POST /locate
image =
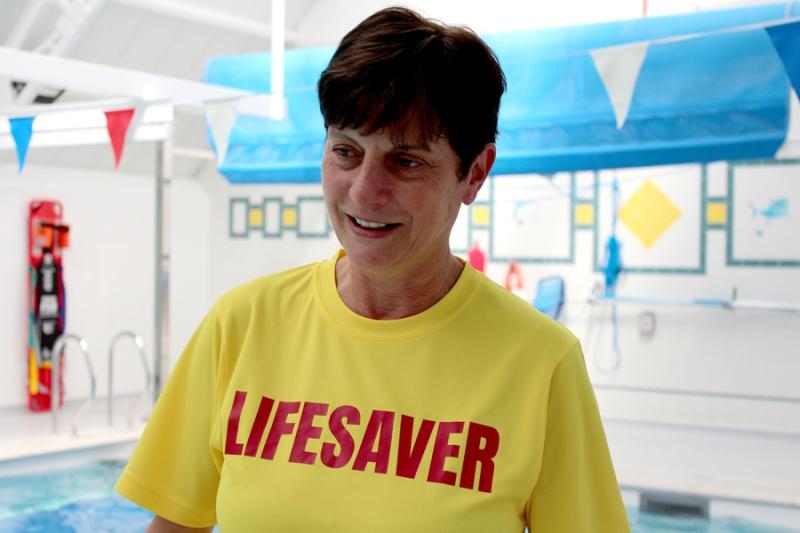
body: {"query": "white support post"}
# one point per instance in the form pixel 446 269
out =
pixel 277 47
pixel 162 264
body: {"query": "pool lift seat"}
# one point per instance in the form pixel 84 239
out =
pixel 549 297
pixel 55 394
pixel 139 342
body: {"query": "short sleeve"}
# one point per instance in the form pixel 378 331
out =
pixel 577 490
pixel 174 471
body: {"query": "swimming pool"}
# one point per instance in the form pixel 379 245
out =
pixel 82 500
pixel 70 500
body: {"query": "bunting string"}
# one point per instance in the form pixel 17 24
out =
pixel 618 67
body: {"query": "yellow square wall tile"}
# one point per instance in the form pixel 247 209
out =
pixel 289 217
pixel 480 215
pixel 717 213
pixel 584 214
pixel 255 217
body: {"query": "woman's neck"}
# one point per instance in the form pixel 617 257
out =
pixel 383 296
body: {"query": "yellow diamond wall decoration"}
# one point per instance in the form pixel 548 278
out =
pixel 649 213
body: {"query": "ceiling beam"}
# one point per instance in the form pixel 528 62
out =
pixel 208 17
pixel 277 47
pixel 111 82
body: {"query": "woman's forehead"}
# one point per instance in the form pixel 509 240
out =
pixel 389 138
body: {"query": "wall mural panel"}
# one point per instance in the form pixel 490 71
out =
pixel 273 217
pixel 659 218
pixel 532 218
pixel 663 216
pixel 764 224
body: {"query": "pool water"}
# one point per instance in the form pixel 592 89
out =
pixel 653 523
pixel 76 500
pixel 83 500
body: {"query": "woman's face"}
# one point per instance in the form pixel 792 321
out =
pixel 393 206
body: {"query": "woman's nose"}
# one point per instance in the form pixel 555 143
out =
pixel 371 183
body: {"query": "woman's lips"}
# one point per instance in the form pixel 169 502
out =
pixel 369 228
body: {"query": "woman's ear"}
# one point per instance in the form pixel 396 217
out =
pixel 478 172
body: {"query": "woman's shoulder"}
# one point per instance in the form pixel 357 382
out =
pixel 516 317
pixel 267 289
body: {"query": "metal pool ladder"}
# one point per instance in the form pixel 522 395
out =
pixel 139 342
pixel 55 379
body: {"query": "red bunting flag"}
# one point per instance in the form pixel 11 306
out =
pixel 117 123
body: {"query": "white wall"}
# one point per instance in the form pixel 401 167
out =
pixel 727 446
pixel 237 260
pixel 108 269
pixel 737 447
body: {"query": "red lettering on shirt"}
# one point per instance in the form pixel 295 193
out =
pixel 481 444
pixel 307 430
pixel 328 454
pixel 280 427
pixel 232 447
pixel 475 452
pixel 257 431
pixel 408 457
pixel 442 449
pixel 379 428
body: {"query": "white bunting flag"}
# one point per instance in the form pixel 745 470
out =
pixel 619 69
pixel 220 116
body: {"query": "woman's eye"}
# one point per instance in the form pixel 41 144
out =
pixel 407 163
pixel 342 151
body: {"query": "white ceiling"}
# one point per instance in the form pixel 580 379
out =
pixel 177 38
pixel 141 35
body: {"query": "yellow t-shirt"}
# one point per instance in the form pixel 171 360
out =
pixel 288 412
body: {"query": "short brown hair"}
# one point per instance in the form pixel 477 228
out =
pixel 401 71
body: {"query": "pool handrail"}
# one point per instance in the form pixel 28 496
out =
pixel 55 381
pixel 139 342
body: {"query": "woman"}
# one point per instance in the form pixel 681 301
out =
pixel 392 387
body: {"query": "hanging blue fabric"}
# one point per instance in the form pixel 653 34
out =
pixel 21 131
pixel 721 96
pixel 786 40
pixel 612 270
pixel 613 266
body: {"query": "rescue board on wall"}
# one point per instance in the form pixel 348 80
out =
pixel 48 237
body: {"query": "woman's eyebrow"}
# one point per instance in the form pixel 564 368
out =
pixel 344 136
pixel 420 146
